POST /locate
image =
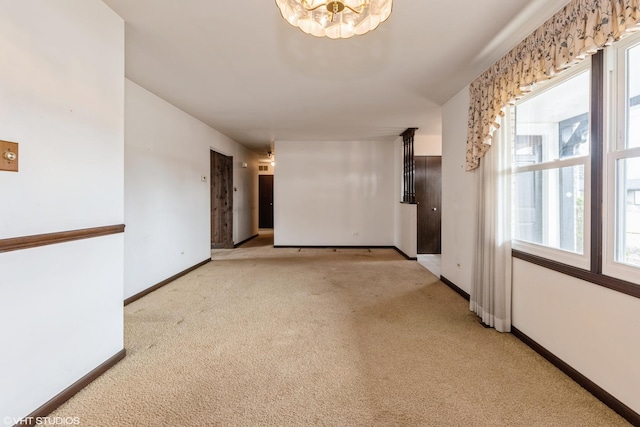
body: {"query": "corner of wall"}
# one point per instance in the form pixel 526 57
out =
pixel 458 195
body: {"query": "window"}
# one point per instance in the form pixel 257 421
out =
pixel 551 166
pixel 623 163
pixel 576 171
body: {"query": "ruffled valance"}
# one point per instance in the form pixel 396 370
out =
pixel 580 29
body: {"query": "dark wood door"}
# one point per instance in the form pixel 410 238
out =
pixel 265 201
pixel 221 201
pixel 428 178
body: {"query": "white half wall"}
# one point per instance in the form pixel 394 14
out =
pixel 167 204
pixel 406 231
pixel 62 100
pixel 458 195
pixel 329 193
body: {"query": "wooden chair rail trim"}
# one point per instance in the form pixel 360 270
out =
pixel 27 242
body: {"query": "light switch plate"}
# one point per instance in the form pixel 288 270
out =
pixel 5 164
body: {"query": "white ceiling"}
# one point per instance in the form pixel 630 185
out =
pixel 242 69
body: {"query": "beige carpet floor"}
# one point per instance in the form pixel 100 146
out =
pixel 305 337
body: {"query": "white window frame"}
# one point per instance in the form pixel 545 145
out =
pixel 615 130
pixel 583 260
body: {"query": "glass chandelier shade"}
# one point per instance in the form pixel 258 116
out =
pixel 336 19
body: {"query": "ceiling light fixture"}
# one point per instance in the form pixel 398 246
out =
pixel 338 19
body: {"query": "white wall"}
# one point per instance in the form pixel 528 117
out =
pixel 427 145
pixel 329 193
pixel 167 205
pixel 406 229
pixel 62 100
pixel 458 195
pixel 593 329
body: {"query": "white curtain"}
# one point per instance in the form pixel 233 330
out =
pixel 490 294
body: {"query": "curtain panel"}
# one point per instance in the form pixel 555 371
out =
pixel 490 294
pixel 578 30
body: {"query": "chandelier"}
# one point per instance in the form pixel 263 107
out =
pixel 338 19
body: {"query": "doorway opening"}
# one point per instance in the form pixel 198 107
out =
pixel 265 202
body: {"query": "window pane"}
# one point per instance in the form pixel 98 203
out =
pixel 554 124
pixel 628 212
pixel 633 94
pixel 549 208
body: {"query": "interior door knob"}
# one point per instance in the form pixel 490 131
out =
pixel 434 209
